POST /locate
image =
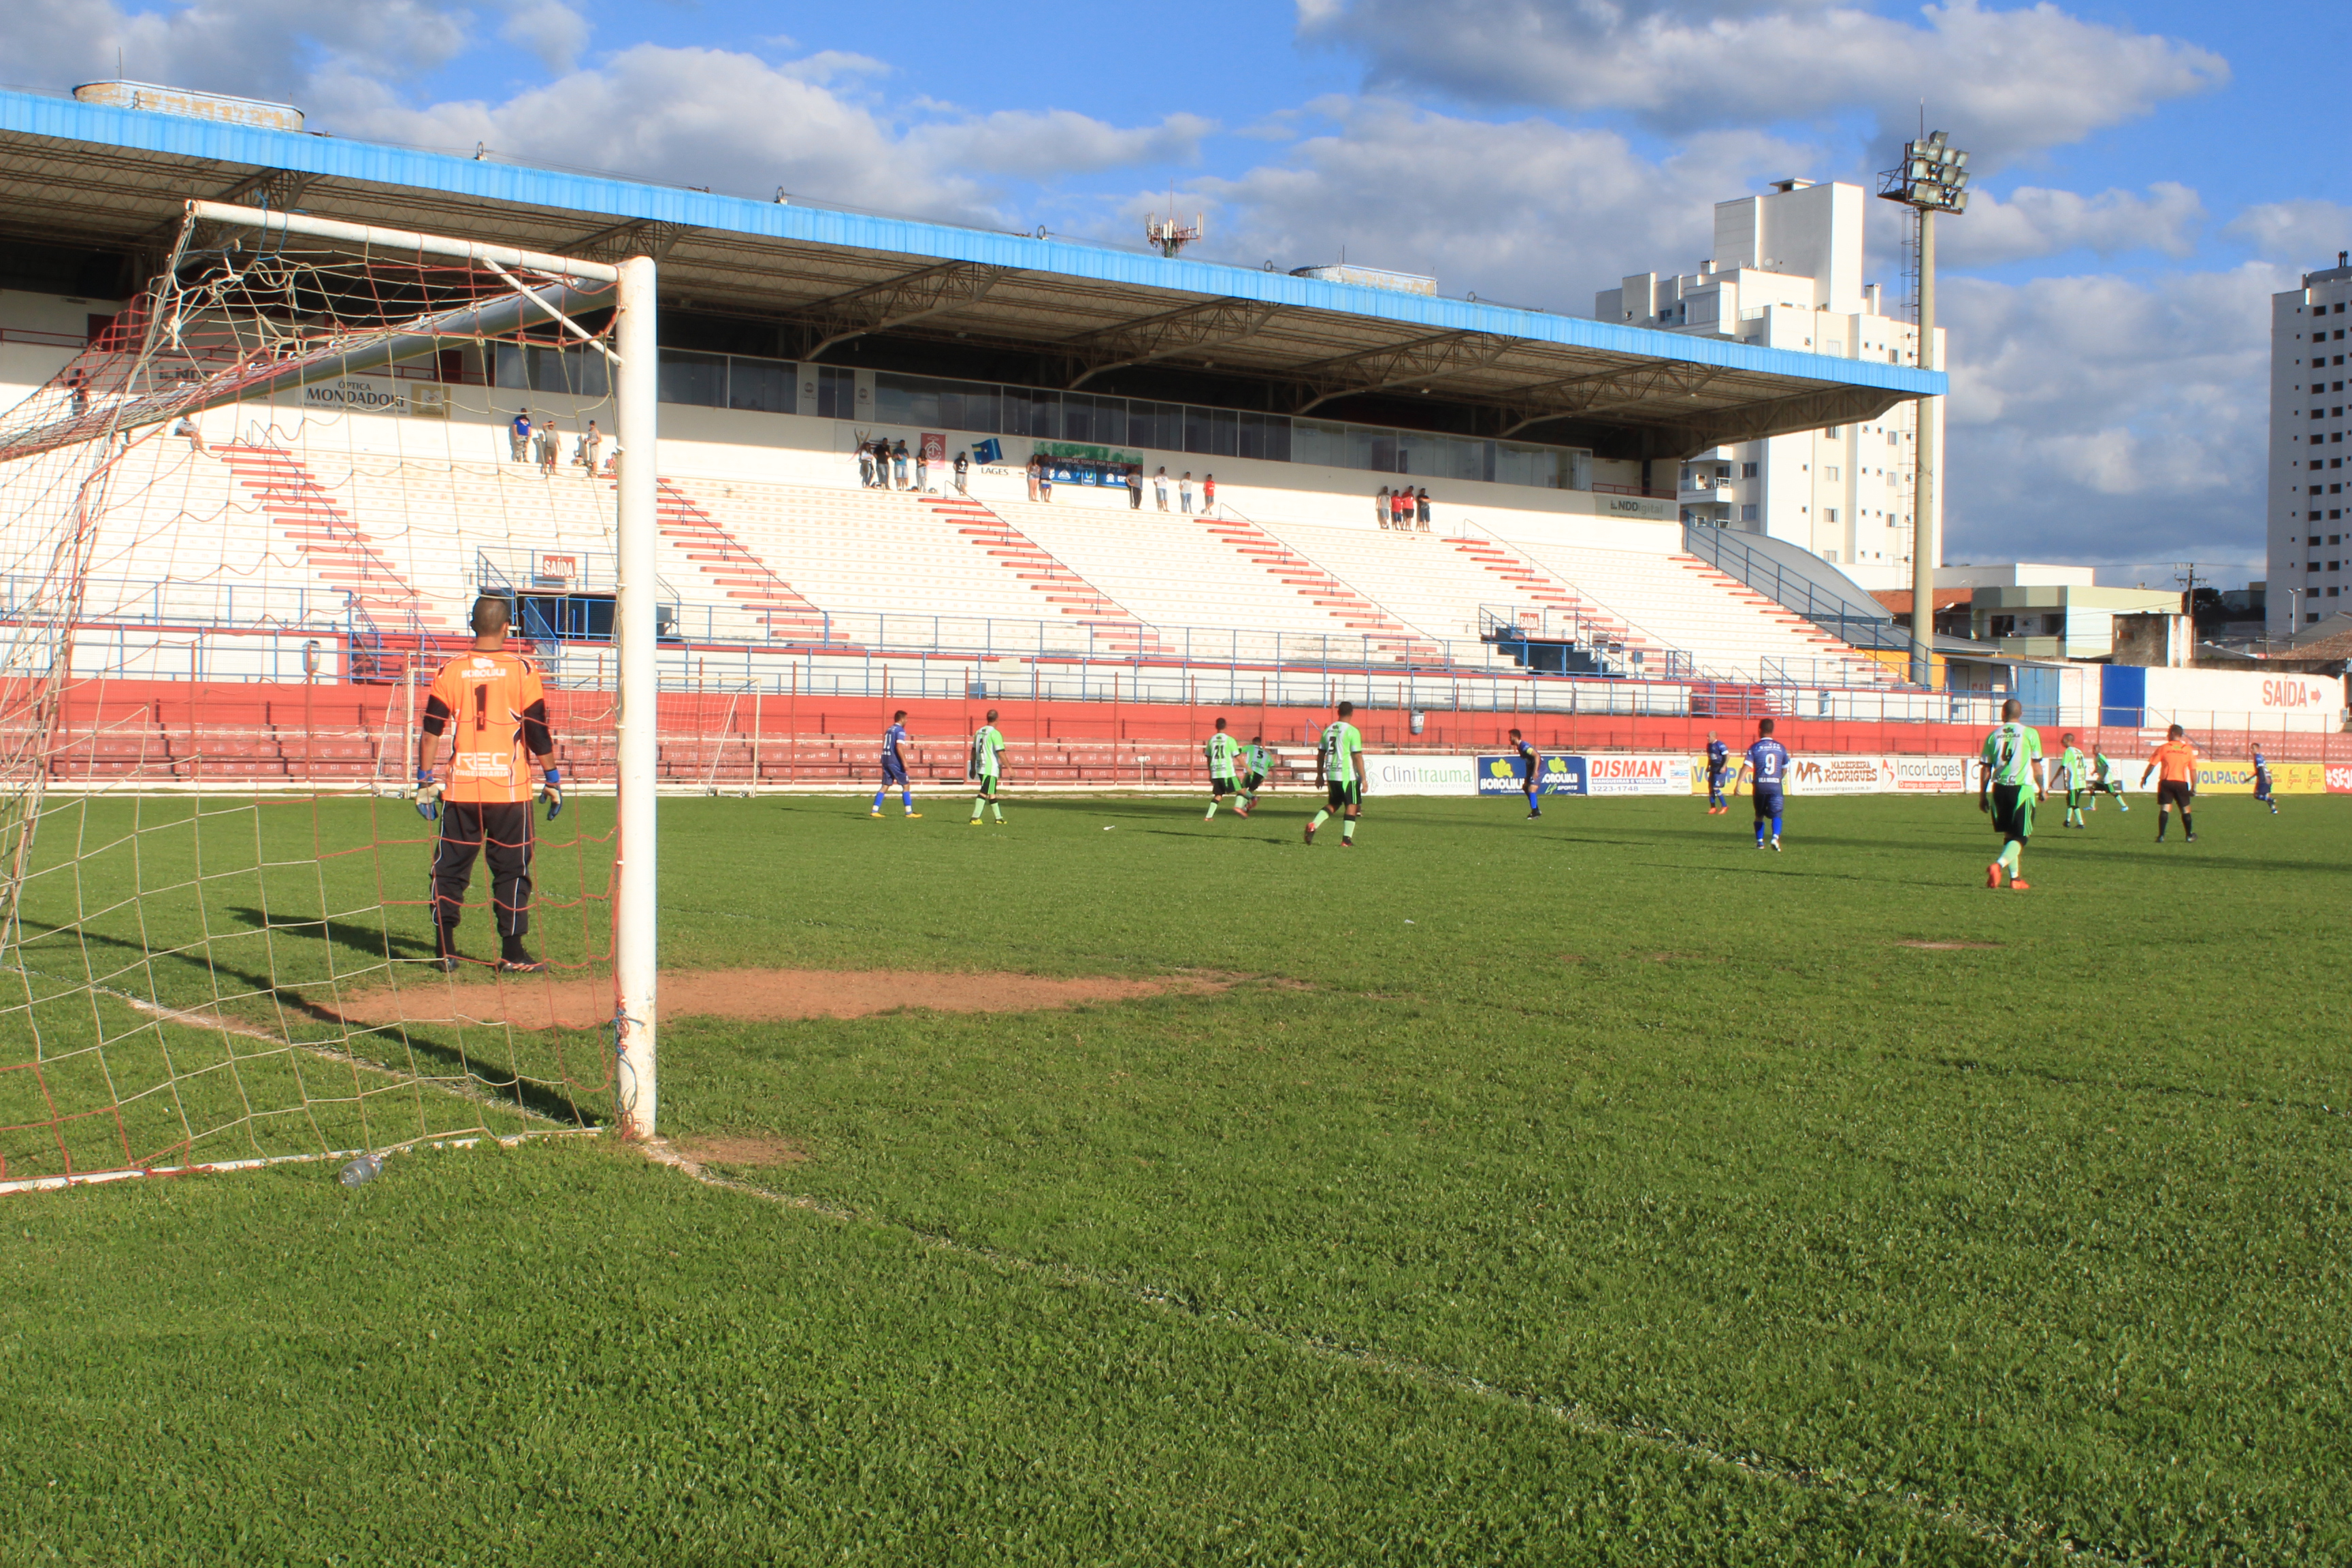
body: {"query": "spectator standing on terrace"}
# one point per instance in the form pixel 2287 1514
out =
pixel 963 473
pixel 1421 502
pixel 1404 508
pixel 865 465
pixel 1036 464
pixel 898 462
pixel 1184 492
pixel 922 470
pixel 1160 484
pixel 518 436
pixel 1135 486
pixel 1384 506
pixel 1046 478
pixel 547 441
pixel 1209 496
pixel 590 445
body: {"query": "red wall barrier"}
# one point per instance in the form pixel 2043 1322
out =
pixel 331 731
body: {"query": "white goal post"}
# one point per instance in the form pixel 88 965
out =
pixel 635 372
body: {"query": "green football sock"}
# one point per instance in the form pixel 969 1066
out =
pixel 1320 818
pixel 996 807
pixel 1348 831
pixel 976 806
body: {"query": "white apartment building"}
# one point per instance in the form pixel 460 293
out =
pixel 2310 558
pixel 1787 274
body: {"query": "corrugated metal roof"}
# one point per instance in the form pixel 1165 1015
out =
pixel 96 175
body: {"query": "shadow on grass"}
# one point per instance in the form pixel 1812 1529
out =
pixel 527 1093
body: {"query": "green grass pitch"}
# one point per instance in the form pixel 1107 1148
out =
pixel 1595 1190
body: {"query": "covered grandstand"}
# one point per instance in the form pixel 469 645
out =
pixel 341 539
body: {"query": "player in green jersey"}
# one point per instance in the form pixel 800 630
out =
pixel 2103 784
pixel 1257 767
pixel 987 768
pixel 2077 774
pixel 1340 760
pixel 2008 781
pixel 1224 754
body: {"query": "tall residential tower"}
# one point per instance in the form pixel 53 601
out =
pixel 1787 274
pixel 2310 564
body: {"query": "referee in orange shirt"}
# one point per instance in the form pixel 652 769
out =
pixel 490 704
pixel 2175 763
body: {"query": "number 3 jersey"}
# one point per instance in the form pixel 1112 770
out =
pixel 493 710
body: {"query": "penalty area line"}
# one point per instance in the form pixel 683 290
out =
pixel 1575 1416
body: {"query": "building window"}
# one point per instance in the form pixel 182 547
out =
pixel 1748 512
pixel 1747 470
pixel 1835 431
pixel 2311 615
pixel 1832 474
pixel 1829 514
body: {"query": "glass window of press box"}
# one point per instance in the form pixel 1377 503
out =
pixel 916 403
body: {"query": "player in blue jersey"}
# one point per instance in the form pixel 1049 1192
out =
pixel 1718 761
pixel 1532 775
pixel 1767 762
pixel 893 767
pixel 2263 782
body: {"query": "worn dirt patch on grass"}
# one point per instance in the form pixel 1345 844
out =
pixel 741 1149
pixel 751 995
pixel 1949 946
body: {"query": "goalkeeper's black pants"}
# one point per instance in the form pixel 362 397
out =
pixel 500 831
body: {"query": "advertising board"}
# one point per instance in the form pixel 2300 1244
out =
pixel 1930 774
pixel 378 394
pixel 1841 775
pixel 1637 774
pixel 1503 775
pixel 1387 772
pixel 2226 777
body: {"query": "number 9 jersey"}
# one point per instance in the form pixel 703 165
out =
pixel 494 711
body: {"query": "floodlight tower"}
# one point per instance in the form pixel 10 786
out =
pixel 1933 179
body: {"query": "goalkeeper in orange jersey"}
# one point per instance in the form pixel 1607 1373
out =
pixel 490 704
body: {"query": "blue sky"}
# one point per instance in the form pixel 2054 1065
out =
pixel 2150 173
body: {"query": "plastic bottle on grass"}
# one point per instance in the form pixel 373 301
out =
pixel 361 1171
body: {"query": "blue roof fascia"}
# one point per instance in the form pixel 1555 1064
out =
pixel 69 119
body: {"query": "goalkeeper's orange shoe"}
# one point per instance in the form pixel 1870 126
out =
pixel 2019 885
pixel 1992 874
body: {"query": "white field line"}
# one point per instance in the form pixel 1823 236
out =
pixel 2028 1533
pixel 98 1178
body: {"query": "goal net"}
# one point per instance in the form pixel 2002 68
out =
pixel 241 532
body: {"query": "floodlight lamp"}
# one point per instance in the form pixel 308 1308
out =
pixel 1959 160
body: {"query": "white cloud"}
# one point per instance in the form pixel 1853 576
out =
pixel 2034 222
pixel 731 121
pixel 1040 145
pixel 1527 211
pixel 264 47
pixel 2099 418
pixel 2005 81
pixel 550 30
pixel 2300 233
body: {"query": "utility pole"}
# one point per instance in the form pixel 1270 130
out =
pixel 1934 178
